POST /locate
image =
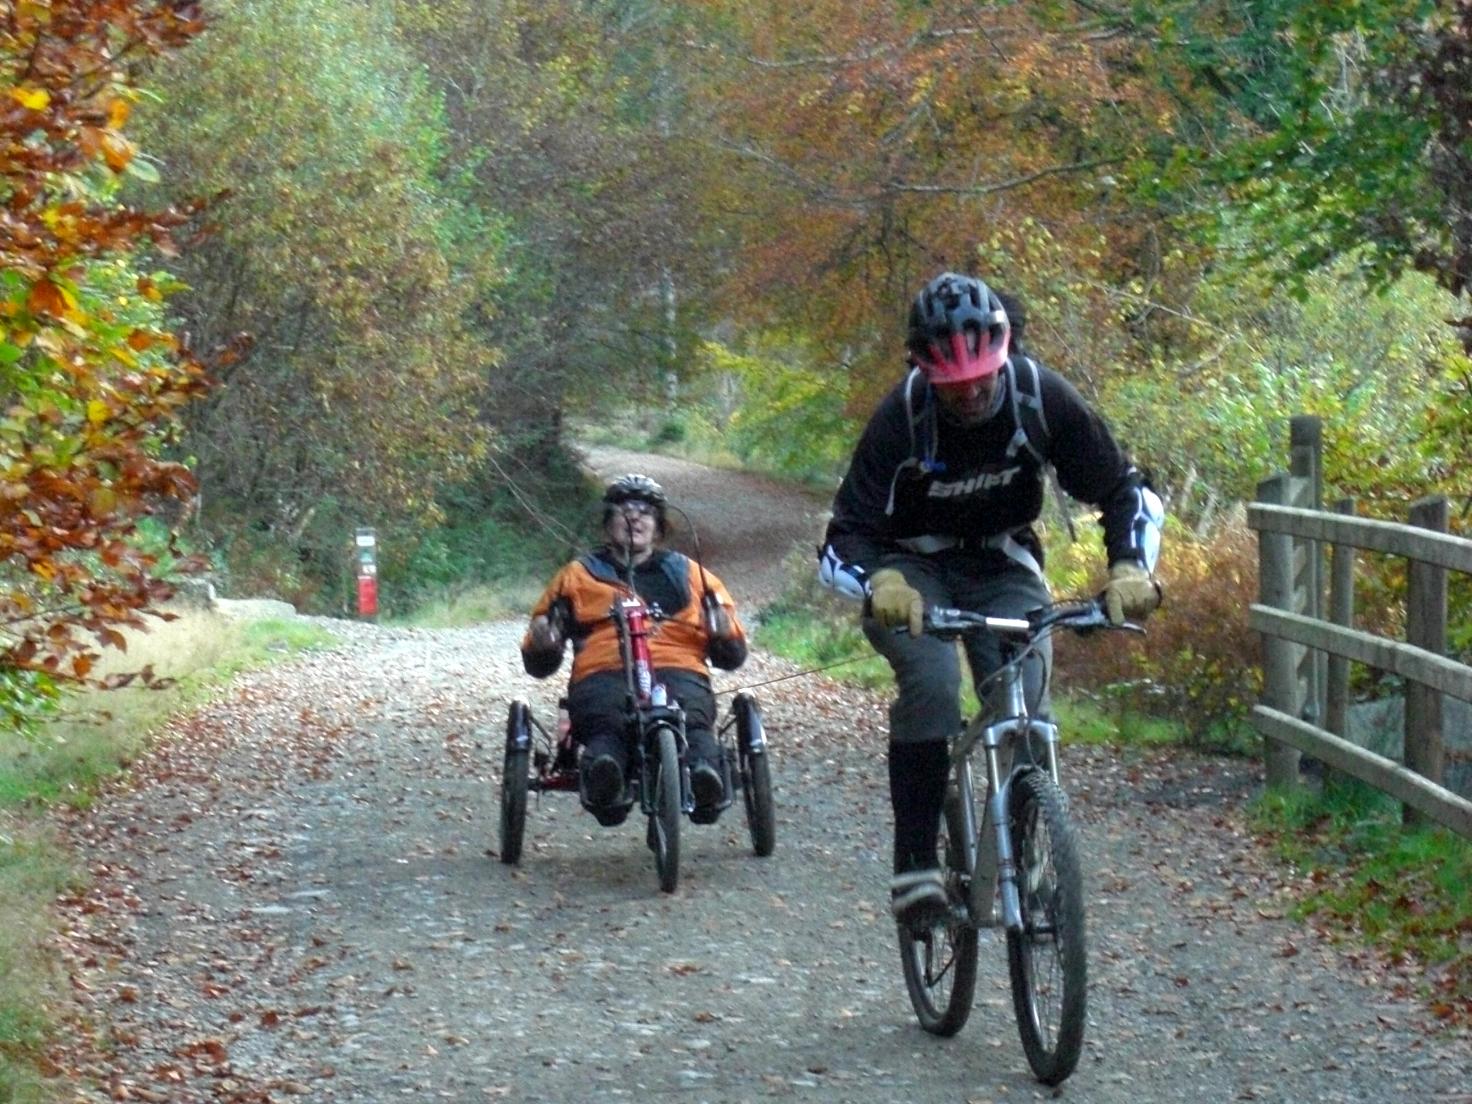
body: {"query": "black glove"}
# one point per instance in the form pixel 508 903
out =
pixel 717 620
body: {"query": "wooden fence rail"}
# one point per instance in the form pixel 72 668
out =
pixel 1306 656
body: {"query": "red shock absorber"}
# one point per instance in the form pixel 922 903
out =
pixel 636 618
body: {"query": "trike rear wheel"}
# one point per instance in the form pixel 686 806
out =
pixel 515 775
pixel 1048 957
pixel 756 776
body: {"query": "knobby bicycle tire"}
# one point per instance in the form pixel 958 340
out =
pixel 939 961
pixel 1048 958
pixel 665 820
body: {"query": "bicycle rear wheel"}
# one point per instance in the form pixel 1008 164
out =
pixel 939 961
pixel 515 774
pixel 1048 957
pixel 664 822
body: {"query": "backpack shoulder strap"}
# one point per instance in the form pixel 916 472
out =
pixel 600 569
pixel 1025 388
pixel 919 421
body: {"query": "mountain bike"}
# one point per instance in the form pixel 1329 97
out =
pixel 1016 864
pixel 658 772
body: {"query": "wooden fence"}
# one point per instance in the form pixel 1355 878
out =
pixel 1308 644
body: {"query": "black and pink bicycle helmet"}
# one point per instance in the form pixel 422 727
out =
pixel 958 330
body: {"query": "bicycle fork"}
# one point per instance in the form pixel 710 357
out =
pixel 994 864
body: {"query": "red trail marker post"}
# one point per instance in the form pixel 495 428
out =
pixel 367 549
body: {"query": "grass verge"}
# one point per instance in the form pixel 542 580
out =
pixel 474 605
pixel 1405 891
pixel 96 736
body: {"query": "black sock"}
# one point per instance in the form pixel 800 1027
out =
pixel 917 790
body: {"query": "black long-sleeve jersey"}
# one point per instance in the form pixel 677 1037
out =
pixel 920 482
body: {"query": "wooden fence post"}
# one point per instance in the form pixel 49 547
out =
pixel 1306 464
pixel 1279 657
pixel 1426 617
pixel 1341 612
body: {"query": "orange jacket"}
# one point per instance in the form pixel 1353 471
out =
pixel 589 586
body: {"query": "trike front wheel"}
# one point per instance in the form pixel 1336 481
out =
pixel 664 821
pixel 1048 957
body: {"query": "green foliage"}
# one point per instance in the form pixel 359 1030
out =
pixel 27 699
pixel 838 648
pixel 671 431
pixel 32 873
pixel 1083 720
pixel 1380 369
pixel 351 257
pixel 567 121
pixel 504 530
pixel 778 407
pixel 90 381
pixel 1342 127
pixel 813 626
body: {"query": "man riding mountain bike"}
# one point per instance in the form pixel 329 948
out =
pixel 937 508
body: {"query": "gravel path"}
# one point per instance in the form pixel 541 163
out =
pixel 296 896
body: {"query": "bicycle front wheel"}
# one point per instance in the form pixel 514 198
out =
pixel 940 960
pixel 664 822
pixel 1048 956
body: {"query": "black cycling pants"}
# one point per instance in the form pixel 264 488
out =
pixel 927 670
pixel 597 705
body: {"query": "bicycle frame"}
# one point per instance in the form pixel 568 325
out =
pixel 995 864
pixel 988 849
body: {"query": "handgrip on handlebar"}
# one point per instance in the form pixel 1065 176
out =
pixel 1081 615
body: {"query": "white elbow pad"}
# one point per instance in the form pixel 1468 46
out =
pixel 1149 523
pixel 847 579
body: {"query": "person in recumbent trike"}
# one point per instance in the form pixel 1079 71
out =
pixel 689 620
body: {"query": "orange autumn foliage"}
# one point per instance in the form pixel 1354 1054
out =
pixel 89 381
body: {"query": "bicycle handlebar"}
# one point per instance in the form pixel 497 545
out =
pixel 1081 615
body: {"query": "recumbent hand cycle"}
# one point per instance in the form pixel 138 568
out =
pixel 537 760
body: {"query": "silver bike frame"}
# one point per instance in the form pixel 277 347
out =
pixel 989 854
